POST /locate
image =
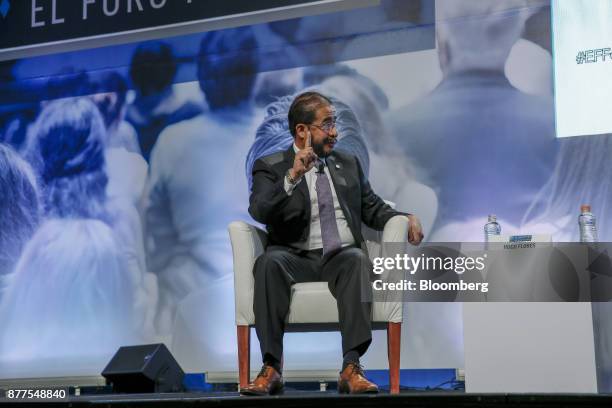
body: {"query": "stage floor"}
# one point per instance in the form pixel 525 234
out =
pixel 319 399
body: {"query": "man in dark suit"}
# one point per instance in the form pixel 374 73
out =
pixel 313 200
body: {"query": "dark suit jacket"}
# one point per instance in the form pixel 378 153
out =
pixel 287 217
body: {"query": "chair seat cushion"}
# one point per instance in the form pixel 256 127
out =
pixel 312 302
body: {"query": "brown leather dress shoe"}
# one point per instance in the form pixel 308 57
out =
pixel 352 381
pixel 267 382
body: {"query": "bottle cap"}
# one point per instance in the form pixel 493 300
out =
pixel 492 217
pixel 585 208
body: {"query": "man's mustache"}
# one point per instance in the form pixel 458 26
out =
pixel 329 139
pixel 319 147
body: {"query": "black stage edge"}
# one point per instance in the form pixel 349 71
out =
pixel 331 398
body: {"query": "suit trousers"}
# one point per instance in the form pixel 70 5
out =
pixel 348 274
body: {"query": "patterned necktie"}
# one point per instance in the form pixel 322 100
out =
pixel 327 213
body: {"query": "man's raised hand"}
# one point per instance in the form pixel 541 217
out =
pixel 304 160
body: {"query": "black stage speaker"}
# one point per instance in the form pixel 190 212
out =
pixel 144 369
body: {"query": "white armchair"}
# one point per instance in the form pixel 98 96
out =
pixel 313 308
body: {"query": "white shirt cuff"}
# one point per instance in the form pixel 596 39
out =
pixel 290 187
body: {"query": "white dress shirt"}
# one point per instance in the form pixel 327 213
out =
pixel 314 239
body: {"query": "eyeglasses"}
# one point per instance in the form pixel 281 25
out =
pixel 327 126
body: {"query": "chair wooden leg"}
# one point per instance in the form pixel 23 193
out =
pixel 244 358
pixel 394 339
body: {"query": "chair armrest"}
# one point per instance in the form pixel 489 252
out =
pixel 394 241
pixel 248 242
pixel 396 229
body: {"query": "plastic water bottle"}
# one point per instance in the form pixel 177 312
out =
pixel 586 222
pixel 491 227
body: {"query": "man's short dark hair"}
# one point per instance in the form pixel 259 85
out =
pixel 304 107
